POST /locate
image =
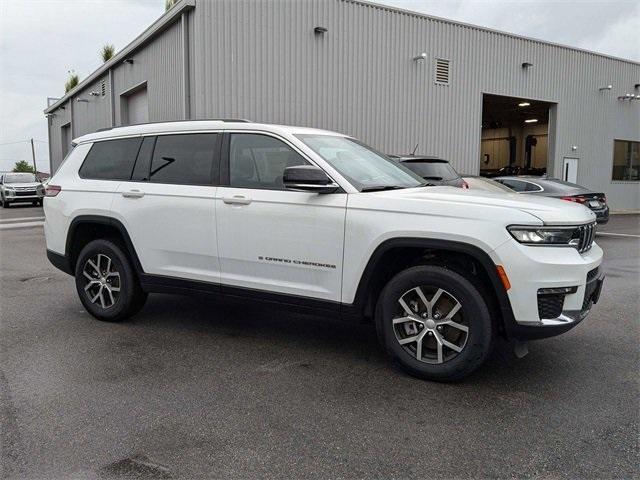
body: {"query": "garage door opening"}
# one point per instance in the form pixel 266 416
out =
pixel 515 136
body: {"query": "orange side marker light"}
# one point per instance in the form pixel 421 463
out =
pixel 503 277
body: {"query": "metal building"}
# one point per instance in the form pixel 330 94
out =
pixel 395 79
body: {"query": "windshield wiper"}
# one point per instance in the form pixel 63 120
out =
pixel 379 188
pixel 432 178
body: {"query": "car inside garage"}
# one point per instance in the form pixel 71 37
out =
pixel 515 136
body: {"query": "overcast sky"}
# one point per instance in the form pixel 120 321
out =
pixel 41 40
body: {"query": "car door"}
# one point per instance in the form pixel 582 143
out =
pixel 270 238
pixel 168 206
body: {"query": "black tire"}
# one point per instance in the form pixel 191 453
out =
pixel 40 202
pixel 5 204
pixel 127 301
pixel 473 313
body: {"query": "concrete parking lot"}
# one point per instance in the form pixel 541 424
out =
pixel 195 388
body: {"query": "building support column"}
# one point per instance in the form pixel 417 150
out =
pixel 186 87
pixel 112 99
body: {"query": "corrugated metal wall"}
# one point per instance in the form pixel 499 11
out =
pixel 92 112
pixel 262 60
pixel 160 65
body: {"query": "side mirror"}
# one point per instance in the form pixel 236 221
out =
pixel 308 178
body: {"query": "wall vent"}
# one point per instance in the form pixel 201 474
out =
pixel 443 71
pixel 103 87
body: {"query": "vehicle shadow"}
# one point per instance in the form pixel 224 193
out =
pixel 296 335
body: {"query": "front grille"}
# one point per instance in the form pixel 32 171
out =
pixel 25 193
pixel 550 306
pixel 586 234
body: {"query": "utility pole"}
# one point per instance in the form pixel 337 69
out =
pixel 33 155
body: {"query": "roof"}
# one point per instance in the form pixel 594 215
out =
pixel 184 126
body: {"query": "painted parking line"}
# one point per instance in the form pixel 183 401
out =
pixel 20 219
pixel 617 234
pixel 12 226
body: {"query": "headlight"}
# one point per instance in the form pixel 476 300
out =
pixel 569 236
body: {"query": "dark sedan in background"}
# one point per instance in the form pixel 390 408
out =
pixel 434 170
pixel 552 187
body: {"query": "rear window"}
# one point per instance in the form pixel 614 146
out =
pixel 184 159
pixel 431 170
pixel 517 185
pixel 111 159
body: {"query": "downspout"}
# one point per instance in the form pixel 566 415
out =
pixel 186 87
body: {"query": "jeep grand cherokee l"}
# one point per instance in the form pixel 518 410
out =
pixel 316 220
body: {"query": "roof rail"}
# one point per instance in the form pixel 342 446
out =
pixel 228 120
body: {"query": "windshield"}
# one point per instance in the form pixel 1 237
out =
pixel 431 170
pixel 362 166
pixel 19 178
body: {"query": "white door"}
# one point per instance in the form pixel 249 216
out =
pixel 570 170
pixel 137 107
pixel 168 207
pixel 270 238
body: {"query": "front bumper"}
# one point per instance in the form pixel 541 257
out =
pixel 602 215
pixel 19 197
pixel 532 269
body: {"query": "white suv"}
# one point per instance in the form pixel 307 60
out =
pixel 317 220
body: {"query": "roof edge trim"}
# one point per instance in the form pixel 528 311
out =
pixel 426 16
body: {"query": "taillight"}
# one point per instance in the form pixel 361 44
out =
pixel 465 184
pixel 52 190
pixel 576 199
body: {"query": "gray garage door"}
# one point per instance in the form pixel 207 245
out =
pixel 137 107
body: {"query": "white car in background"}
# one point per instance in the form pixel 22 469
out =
pixel 20 187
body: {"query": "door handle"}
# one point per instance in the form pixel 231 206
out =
pixel 133 194
pixel 237 200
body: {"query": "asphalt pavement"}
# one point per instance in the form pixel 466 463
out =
pixel 194 388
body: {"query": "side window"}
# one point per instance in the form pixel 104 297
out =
pixel 258 161
pixel 111 159
pixel 143 163
pixel 516 185
pixel 532 187
pixel 187 159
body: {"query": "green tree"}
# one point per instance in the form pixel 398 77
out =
pixel 71 82
pixel 107 52
pixel 23 166
pixel 169 4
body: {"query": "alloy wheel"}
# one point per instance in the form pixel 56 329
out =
pixel 429 324
pixel 103 281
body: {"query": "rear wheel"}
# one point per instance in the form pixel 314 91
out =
pixel 106 283
pixel 434 323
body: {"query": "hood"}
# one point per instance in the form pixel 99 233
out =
pixel 23 185
pixel 551 211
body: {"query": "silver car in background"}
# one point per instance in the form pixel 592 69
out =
pixel 20 187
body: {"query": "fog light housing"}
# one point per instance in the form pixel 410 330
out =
pixel 557 290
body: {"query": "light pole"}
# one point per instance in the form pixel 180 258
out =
pixel 33 156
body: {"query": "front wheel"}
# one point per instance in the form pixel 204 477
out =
pixel 106 283
pixel 434 323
